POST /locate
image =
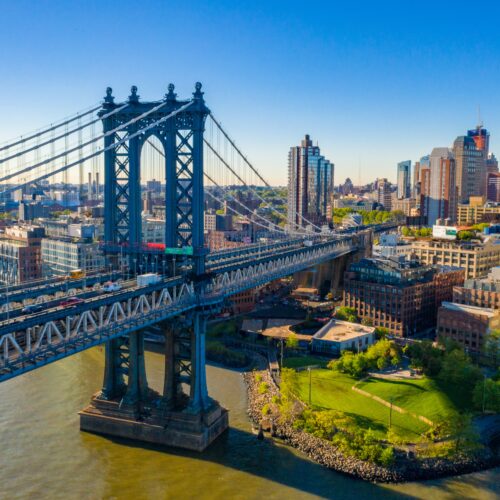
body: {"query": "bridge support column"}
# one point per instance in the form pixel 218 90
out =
pixel 137 389
pixel 198 398
pixel 114 369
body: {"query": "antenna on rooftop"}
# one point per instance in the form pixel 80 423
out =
pixel 479 121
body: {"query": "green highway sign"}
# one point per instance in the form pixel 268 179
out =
pixel 179 251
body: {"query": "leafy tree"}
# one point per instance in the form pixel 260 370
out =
pixel 459 427
pixel 347 314
pixel 367 322
pixel 424 356
pixel 406 231
pixel 492 348
pixel 458 369
pixel 381 332
pixel 465 235
pixel 486 392
pixel 292 342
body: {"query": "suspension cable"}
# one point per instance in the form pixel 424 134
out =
pixel 79 128
pixel 76 148
pixel 22 139
pixel 98 152
pixel 219 126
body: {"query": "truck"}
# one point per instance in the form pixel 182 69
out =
pixel 147 279
pixel 308 243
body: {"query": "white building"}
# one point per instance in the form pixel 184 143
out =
pixel 337 336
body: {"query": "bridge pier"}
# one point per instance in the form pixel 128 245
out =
pixel 133 411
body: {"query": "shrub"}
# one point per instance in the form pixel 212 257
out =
pixel 386 457
pixel 266 410
pixel 258 377
pixel 263 387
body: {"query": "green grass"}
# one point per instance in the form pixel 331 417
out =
pixel 331 390
pixel 300 361
pixel 432 399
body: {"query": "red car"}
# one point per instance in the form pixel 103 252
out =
pixel 72 301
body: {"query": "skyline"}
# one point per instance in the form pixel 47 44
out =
pixel 373 86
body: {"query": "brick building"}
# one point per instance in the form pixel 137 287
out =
pixel 483 292
pixel 467 325
pixel 399 294
pixel 20 254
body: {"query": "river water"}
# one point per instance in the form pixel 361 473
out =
pixel 44 455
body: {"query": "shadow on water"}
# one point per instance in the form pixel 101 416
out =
pixel 242 451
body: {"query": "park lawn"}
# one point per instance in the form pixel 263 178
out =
pixel 332 390
pixel 300 361
pixel 433 399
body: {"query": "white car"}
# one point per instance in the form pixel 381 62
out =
pixel 111 287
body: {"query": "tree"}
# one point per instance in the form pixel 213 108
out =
pixel 367 322
pixel 459 427
pixel 492 348
pixel 347 314
pixel 458 369
pixel 381 332
pixel 406 231
pixel 424 356
pixel 486 395
pixel 292 342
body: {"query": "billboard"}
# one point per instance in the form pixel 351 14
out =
pixel 444 232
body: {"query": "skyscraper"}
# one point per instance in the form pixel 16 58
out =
pixel 404 179
pixel 310 185
pixel 470 165
pixel 440 202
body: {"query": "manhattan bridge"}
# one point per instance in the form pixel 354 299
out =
pixel 198 160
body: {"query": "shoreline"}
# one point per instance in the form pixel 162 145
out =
pixel 324 453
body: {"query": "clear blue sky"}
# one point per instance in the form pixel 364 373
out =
pixel 373 82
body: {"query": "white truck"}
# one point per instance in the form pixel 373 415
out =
pixel 147 279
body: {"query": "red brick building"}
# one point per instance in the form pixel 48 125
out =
pixel 399 294
pixel 467 325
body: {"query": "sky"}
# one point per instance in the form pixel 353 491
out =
pixel 374 83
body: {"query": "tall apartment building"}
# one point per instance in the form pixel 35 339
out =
pixel 310 185
pixel 20 254
pixel 424 186
pixel 470 168
pixel 440 201
pixel 399 293
pixel 404 179
pixel 384 193
pixel 416 180
pixel 475 258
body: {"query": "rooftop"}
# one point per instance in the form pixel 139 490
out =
pixel 482 311
pixel 339 331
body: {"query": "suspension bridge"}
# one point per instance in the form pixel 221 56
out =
pixel 181 142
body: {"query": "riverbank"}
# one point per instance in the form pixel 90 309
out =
pixel 323 452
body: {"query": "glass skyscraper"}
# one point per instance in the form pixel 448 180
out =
pixel 404 179
pixel 310 185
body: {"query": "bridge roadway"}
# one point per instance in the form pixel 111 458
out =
pixel 33 340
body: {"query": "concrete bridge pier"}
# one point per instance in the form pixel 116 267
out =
pixel 131 410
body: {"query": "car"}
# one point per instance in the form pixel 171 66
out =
pixel 111 287
pixel 72 301
pixel 32 308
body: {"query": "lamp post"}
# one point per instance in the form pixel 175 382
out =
pixel 310 383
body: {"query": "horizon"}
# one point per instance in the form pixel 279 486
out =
pixel 372 85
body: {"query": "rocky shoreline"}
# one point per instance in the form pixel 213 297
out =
pixel 321 451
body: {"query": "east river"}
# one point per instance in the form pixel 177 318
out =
pixel 44 455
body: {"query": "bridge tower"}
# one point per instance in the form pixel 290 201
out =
pixel 126 406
